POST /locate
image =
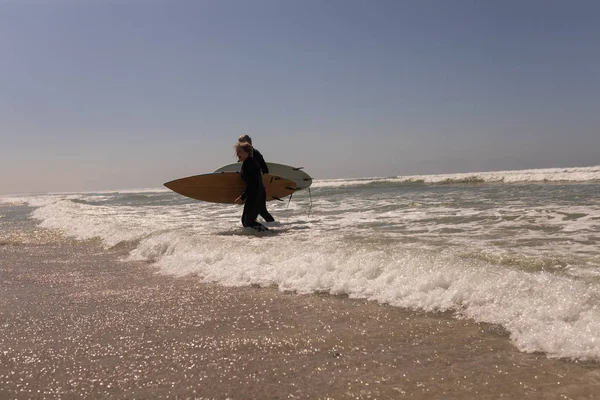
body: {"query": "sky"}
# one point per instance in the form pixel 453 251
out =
pixel 123 94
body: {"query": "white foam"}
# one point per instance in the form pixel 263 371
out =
pixel 584 174
pixel 542 311
pixel 390 249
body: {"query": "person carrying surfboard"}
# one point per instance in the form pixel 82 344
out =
pixel 265 170
pixel 254 197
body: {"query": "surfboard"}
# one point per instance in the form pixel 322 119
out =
pixel 225 187
pixel 302 179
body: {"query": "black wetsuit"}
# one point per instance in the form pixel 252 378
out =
pixel 254 195
pixel 265 170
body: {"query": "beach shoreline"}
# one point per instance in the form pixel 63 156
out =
pixel 78 322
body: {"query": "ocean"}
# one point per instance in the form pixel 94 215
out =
pixel 517 249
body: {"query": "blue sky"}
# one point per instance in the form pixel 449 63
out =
pixel 132 93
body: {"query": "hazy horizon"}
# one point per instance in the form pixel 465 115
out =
pixel 130 94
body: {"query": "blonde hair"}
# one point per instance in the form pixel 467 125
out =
pixel 245 138
pixel 245 147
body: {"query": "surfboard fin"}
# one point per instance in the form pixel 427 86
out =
pixel 298 168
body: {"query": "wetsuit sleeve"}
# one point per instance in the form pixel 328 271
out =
pixel 244 173
pixel 251 176
pixel 261 161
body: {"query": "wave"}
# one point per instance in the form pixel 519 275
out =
pixel 542 311
pixel 583 174
pixel 539 300
pixel 547 175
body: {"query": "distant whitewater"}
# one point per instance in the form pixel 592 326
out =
pixel 491 246
pixel 583 174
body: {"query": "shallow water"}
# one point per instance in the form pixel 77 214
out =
pixel 523 255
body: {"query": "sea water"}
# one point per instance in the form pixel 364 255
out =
pixel 519 249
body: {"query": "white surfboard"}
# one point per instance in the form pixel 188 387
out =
pixel 302 179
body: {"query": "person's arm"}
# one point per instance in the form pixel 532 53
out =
pixel 244 175
pixel 251 177
pixel 261 161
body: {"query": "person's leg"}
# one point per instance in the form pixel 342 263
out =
pixel 263 209
pixel 266 215
pixel 245 215
pixel 251 208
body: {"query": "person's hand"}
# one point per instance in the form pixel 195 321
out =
pixel 239 200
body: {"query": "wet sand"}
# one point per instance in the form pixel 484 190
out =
pixel 75 322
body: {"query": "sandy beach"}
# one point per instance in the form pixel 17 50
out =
pixel 75 322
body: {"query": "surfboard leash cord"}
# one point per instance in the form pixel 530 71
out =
pixel 310 206
pixel 292 195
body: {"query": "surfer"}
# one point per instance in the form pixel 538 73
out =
pixel 254 197
pixel 265 170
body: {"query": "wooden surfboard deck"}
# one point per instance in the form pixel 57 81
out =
pixel 225 187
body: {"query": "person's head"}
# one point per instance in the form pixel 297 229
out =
pixel 245 138
pixel 243 150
